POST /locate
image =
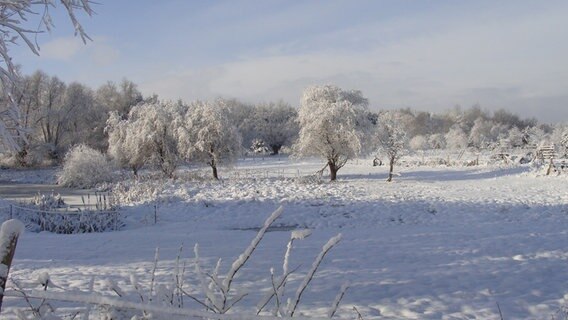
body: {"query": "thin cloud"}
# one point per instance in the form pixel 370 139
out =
pixel 104 55
pixel 63 49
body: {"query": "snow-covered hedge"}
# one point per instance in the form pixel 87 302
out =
pixel 84 167
pixel 69 222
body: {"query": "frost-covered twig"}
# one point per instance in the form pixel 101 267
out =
pixel 20 290
pixel 152 282
pixel 243 258
pixel 295 235
pixel 500 313
pixel 275 293
pixel 319 173
pixel 134 283
pixel 359 316
pixel 214 293
pixel 123 304
pixel 337 300
pixel 207 290
pixel 308 278
pixel 40 311
pixel 262 304
pixel 198 301
pixel 88 308
pixel 112 286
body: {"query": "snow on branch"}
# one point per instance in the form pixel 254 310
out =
pixel 310 275
pixel 243 258
pixel 9 233
pixel 13 14
pixel 97 299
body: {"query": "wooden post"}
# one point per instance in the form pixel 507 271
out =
pixel 155 213
pixel 9 233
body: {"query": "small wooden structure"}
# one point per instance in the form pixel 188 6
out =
pixel 547 153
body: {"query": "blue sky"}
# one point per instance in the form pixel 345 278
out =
pixel 427 55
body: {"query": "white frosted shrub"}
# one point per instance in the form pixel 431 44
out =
pixel 84 167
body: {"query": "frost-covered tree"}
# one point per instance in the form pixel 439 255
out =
pixel 564 141
pixel 276 124
pixel 147 136
pixel 123 148
pixel 80 116
pixel 13 15
pixel 559 136
pixel 437 141
pixel 533 136
pixel 120 98
pixel 456 138
pixel 419 143
pixel 58 115
pixel 110 98
pixel 510 119
pixel 24 94
pixel 333 123
pixel 392 138
pixel 244 118
pixel 515 137
pixel 206 133
pixel 52 113
pixel 480 134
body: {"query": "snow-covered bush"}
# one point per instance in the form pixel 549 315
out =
pixel 63 221
pixel 84 167
pixel 419 143
pixel 48 201
pixel 456 138
pixel 258 146
pixel 48 212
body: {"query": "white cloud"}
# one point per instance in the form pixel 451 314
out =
pixel 103 54
pixel 68 49
pixel 497 62
pixel 61 48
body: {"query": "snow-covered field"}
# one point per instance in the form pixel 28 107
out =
pixel 437 243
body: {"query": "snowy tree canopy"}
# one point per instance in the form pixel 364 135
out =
pixel 14 14
pixel 456 138
pixel 147 136
pixel 276 124
pixel 332 125
pixel 480 134
pixel 124 150
pixel 419 142
pixel 533 136
pixel 391 137
pixel 206 133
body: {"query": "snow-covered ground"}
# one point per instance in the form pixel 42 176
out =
pixel 437 243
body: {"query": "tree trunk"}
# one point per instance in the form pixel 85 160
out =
pixel 134 170
pixel 214 167
pixel 391 168
pixel 332 171
pixel 275 149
